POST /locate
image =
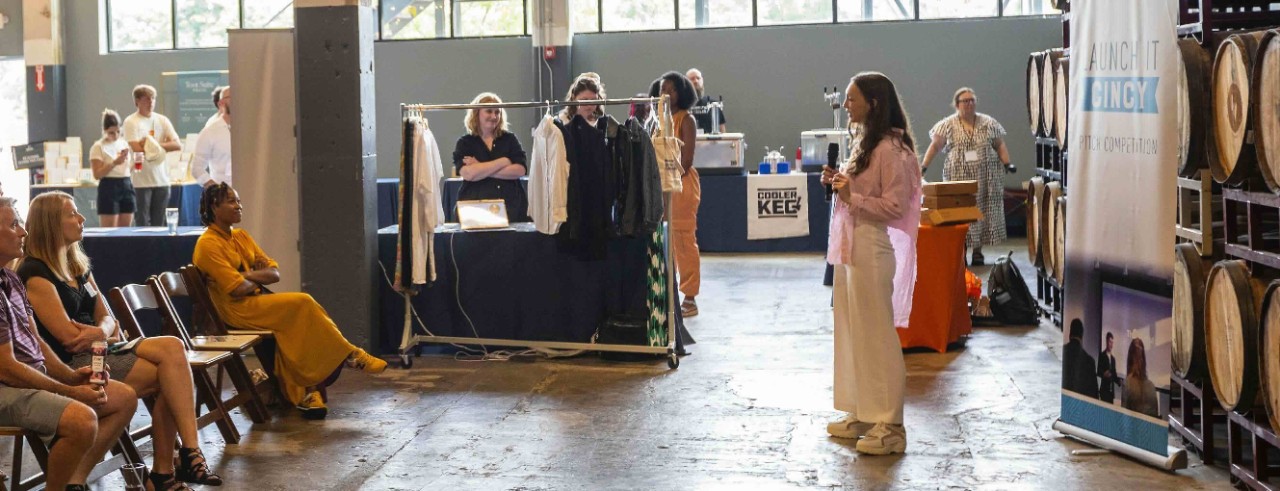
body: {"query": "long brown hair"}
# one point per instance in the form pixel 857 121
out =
pixel 586 81
pixel 45 241
pixel 1137 360
pixel 885 114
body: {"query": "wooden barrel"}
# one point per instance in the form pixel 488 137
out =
pixel 1060 111
pixel 1048 89
pixel 1193 108
pixel 1232 300
pixel 1231 157
pixel 1188 312
pixel 1052 191
pixel 1035 64
pixel 1265 109
pixel 1060 240
pixel 1269 354
pixel 1035 235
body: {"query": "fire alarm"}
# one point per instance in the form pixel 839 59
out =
pixel 548 53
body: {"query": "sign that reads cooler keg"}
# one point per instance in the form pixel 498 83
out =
pixel 776 206
pixel 29 156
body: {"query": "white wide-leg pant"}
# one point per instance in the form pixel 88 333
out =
pixel 870 374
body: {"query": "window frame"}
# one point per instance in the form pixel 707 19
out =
pixel 1001 6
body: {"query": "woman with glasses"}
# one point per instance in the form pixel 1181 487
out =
pixel 975 149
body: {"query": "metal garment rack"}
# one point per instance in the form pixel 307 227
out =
pixel 409 340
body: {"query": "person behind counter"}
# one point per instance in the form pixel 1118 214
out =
pixel 490 160
pixel 701 111
pixel 71 314
pixel 974 144
pixel 153 133
pixel 586 87
pixel 684 205
pixel 109 158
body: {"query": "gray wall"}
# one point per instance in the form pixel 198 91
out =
pixel 11 35
pixel 771 78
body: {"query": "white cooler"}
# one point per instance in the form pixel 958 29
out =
pixel 724 153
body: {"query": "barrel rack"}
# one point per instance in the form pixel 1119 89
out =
pixel 1051 164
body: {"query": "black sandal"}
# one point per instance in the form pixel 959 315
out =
pixel 166 482
pixel 195 469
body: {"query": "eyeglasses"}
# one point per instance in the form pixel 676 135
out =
pixel 966 101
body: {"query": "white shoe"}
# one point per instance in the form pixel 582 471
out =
pixel 848 427
pixel 883 439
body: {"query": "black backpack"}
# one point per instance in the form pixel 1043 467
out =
pixel 1011 300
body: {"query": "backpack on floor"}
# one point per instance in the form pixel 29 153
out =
pixel 1011 300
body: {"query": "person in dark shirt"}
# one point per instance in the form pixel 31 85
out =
pixel 1077 364
pixel 1107 372
pixel 702 113
pixel 490 160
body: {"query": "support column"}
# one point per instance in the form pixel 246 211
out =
pixel 337 162
pixel 552 29
pixel 42 39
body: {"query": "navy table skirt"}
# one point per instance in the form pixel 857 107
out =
pixel 515 284
pixel 126 255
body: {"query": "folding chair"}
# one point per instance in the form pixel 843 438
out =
pixel 130 298
pixel 164 286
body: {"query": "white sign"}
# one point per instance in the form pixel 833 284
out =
pixel 777 206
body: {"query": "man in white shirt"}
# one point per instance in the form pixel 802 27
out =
pixel 217 102
pixel 211 161
pixel 152 131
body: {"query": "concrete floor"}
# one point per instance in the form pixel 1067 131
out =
pixel 746 411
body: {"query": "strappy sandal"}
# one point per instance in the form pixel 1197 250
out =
pixel 166 482
pixel 195 469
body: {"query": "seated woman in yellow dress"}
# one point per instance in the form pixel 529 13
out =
pixel 71 314
pixel 309 347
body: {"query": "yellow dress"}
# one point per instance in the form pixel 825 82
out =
pixel 309 346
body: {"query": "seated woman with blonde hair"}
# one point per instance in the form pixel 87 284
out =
pixel 310 351
pixel 71 315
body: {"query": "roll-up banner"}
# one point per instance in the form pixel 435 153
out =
pixel 1119 205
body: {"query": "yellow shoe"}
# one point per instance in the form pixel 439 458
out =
pixel 313 407
pixel 362 360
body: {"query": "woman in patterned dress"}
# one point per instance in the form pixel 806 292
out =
pixel 975 149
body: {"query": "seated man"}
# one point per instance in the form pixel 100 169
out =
pixel 78 420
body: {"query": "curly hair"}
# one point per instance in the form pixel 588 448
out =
pixel 885 115
pixel 685 95
pixel 212 197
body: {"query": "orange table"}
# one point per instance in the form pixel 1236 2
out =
pixel 939 306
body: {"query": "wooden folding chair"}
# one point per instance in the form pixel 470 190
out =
pixel 206 320
pixel 130 298
pixel 164 286
pixel 38 449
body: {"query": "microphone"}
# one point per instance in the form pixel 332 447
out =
pixel 833 153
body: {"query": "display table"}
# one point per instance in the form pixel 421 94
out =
pixel 184 197
pixel 939 306
pixel 388 201
pixel 514 284
pixel 722 218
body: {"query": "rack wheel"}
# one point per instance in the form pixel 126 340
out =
pixel 673 361
pixel 406 360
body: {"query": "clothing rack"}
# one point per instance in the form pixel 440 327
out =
pixel 409 340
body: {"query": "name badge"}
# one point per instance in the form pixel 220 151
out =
pixel 88 287
pixel 971 156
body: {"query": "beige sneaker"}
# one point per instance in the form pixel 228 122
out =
pixel 848 427
pixel 362 360
pixel 883 439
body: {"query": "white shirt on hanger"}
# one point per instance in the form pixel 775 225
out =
pixel 548 178
pixel 428 210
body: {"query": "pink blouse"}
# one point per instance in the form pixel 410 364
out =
pixel 887 193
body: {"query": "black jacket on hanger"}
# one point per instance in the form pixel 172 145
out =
pixel 587 231
pixel 638 210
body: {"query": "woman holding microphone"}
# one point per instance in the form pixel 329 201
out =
pixel 873 232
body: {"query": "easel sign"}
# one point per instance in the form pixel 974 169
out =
pixel 29 156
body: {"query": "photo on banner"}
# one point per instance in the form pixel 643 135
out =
pixel 1123 148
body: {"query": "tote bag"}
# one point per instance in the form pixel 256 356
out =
pixel 666 147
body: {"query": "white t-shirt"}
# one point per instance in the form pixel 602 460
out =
pixel 107 152
pixel 158 126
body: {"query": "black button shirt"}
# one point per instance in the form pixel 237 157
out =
pixel 510 191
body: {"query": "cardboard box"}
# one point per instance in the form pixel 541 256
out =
pixel 950 188
pixel 944 202
pixel 951 216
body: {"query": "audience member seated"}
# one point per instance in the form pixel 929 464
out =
pixel 490 159
pixel 310 351
pixel 79 420
pixel 72 314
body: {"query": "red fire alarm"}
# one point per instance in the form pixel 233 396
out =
pixel 549 53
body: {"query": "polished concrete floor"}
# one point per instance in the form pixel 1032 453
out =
pixel 745 411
